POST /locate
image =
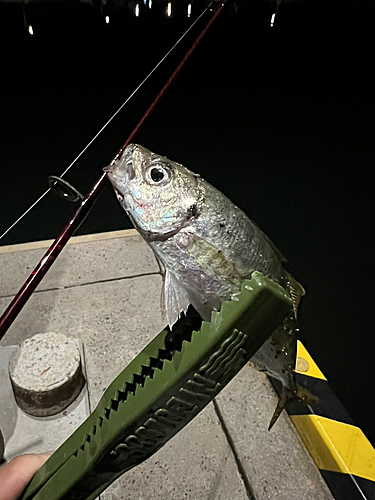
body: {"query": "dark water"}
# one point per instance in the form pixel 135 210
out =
pixel 280 119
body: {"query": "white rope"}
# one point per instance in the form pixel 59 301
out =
pixel 108 122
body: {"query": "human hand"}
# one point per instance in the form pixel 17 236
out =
pixel 15 476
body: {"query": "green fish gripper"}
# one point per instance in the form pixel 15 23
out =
pixel 175 376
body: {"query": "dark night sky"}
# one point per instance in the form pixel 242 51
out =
pixel 280 119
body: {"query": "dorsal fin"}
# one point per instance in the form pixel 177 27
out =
pixel 296 291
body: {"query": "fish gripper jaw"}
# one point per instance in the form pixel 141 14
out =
pixel 165 386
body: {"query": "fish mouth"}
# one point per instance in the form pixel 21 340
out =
pixel 112 177
pixel 118 179
pixel 109 168
pixel 121 170
pixel 119 185
pixel 126 157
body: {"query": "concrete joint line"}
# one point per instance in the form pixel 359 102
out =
pixel 241 470
pixel 121 278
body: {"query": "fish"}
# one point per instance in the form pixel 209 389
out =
pixel 206 247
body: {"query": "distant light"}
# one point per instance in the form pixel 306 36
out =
pixel 273 19
pixel 169 9
pixel 149 4
pixel 145 2
pixel 136 12
pixel 189 10
pixel 107 19
pixel 31 31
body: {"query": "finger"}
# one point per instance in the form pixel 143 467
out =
pixel 15 476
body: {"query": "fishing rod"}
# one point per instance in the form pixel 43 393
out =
pixel 67 191
pixel 87 203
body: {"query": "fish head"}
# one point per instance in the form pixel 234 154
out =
pixel 159 195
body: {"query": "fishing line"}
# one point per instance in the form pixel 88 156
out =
pixel 59 243
pixel 25 213
pixel 109 120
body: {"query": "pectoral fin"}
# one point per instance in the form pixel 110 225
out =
pixel 174 299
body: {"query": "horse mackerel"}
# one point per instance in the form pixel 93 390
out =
pixel 207 247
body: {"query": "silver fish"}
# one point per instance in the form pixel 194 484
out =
pixel 207 246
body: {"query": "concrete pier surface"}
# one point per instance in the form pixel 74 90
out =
pixel 104 290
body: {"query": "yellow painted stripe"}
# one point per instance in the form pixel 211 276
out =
pixel 305 364
pixel 336 446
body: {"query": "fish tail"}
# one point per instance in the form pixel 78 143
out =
pixel 300 394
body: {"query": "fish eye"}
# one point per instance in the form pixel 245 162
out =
pixel 157 174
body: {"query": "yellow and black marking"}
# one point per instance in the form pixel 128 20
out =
pixel 343 454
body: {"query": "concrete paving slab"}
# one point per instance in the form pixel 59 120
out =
pixel 115 317
pixel 118 254
pixel 276 462
pixel 196 464
pixel 115 320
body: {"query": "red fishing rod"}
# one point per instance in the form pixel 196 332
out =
pixel 54 250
